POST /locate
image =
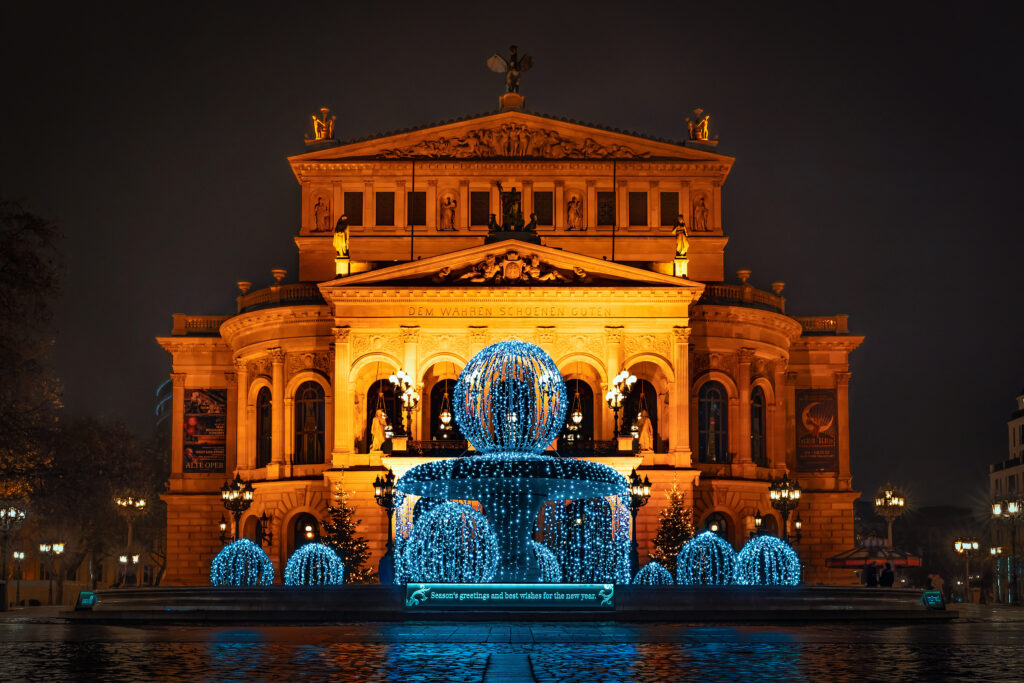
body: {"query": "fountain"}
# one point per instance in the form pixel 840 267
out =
pixel 510 403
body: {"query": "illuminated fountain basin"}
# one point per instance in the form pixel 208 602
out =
pixel 510 403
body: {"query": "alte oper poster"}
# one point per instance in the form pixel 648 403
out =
pixel 205 445
pixel 817 431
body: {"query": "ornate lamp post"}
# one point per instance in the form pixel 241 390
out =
pixel 1010 513
pixel 12 518
pixel 129 507
pixel 51 551
pixel 384 494
pixel 266 534
pixel 19 558
pixel 403 382
pixel 237 496
pixel 785 496
pixel 621 385
pixel 889 503
pixel 639 495
pixel 966 547
pixel 798 526
pixel 758 523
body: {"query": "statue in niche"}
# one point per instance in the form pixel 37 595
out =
pixel 700 214
pixel 682 244
pixel 323 127
pixel 378 430
pixel 321 216
pixel 341 237
pixel 448 214
pixel 574 213
pixel 645 436
pixel 511 209
pixel 511 67
pixel 698 126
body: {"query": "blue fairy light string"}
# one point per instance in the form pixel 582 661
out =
pixel 550 572
pixel 707 559
pixel 452 543
pixel 767 561
pixel 242 563
pixel 314 564
pixel 653 574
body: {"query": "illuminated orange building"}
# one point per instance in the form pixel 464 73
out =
pixel 284 392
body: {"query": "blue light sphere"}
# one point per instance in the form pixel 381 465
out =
pixel 707 559
pixel 314 564
pixel 767 561
pixel 242 563
pixel 510 399
pixel 452 543
pixel 653 574
pixel 550 572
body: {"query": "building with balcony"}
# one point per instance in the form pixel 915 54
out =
pixel 419 248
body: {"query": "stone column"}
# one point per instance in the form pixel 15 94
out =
pixel 791 379
pixel 344 400
pixel 842 380
pixel 402 214
pixel 527 199
pixel 745 356
pixel 653 205
pixel 622 205
pixel 431 208
pixel 559 208
pixel 679 399
pixel 243 454
pixel 496 203
pixel 613 365
pixel 177 428
pixel 777 445
pixel 463 205
pixel 369 205
pixel 410 361
pixel 591 200
pixel 232 459
pixel 274 469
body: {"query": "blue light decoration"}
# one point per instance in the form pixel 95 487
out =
pixel 767 561
pixel 707 559
pixel 589 538
pixel 653 574
pixel 314 564
pixel 550 572
pixel 452 543
pixel 242 563
pixel 510 403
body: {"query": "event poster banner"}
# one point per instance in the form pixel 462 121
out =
pixel 205 445
pixel 817 431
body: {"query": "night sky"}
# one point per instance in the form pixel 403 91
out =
pixel 877 154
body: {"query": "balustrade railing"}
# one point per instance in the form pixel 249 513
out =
pixel 197 325
pixel 743 294
pixel 300 292
pixel 824 324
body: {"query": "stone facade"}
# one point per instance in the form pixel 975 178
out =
pixel 422 291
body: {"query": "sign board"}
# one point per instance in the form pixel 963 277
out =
pixel 204 448
pixel 817 431
pixel 933 600
pixel 554 596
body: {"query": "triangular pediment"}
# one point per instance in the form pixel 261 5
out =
pixel 512 135
pixel 511 263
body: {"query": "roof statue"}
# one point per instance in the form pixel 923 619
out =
pixel 511 67
pixel 698 126
pixel 323 127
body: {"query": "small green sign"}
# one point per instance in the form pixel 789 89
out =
pixel 510 595
pixel 86 601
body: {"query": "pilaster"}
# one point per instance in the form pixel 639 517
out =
pixel 243 459
pixel 679 399
pixel 744 356
pixel 613 366
pixel 344 400
pixel 177 427
pixel 231 435
pixel 274 469
pixel 791 379
pixel 842 380
pixel 410 359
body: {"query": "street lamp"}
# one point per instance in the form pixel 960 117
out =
pixel 758 522
pixel 621 385
pixel 1010 513
pixel 384 494
pixel 265 533
pixel 19 558
pixel 129 507
pixel 639 495
pixel 12 518
pixel 798 526
pixel 889 503
pixel 237 497
pixel 403 382
pixel 966 547
pixel 51 551
pixel 785 496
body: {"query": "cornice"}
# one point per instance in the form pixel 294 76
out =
pixel 308 170
pixel 506 295
pixel 715 313
pixel 275 317
pixel 845 343
pixel 174 345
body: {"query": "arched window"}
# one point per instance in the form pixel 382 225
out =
pixel 758 428
pixel 305 529
pixel 264 427
pixel 716 523
pixel 642 397
pixel 309 424
pixel 381 395
pixel 712 423
pixel 574 434
pixel 439 429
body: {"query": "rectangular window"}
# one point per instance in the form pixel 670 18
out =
pixel 385 208
pixel 417 208
pixel 638 208
pixel 669 208
pixel 479 208
pixel 354 207
pixel 606 208
pixel 543 206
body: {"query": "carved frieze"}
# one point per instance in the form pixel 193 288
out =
pixel 259 367
pixel 367 343
pixel 512 140
pixel 434 343
pixel 300 362
pixel 646 343
pixel 592 343
pixel 510 268
pixel 723 362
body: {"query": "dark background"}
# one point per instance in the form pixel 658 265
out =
pixel 877 149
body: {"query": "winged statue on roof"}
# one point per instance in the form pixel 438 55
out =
pixel 511 67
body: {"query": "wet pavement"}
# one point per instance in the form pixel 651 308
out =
pixel 984 644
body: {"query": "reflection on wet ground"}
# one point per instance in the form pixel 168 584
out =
pixel 983 645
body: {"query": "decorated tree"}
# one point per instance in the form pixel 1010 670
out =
pixel 340 534
pixel 675 527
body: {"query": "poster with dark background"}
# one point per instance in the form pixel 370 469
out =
pixel 817 430
pixel 204 446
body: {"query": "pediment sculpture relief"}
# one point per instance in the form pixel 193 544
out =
pixel 510 268
pixel 512 140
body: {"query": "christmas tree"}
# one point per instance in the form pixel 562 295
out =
pixel 675 527
pixel 340 534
